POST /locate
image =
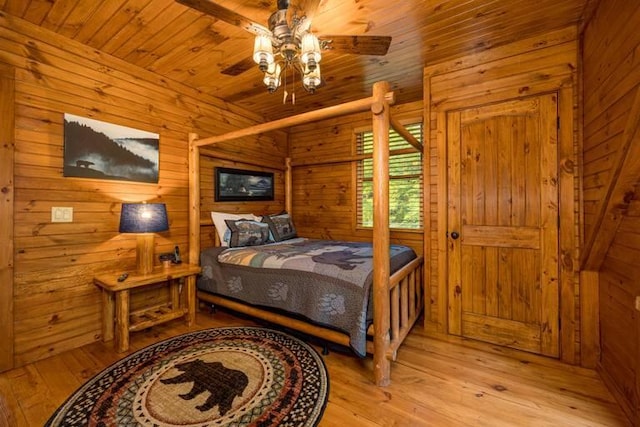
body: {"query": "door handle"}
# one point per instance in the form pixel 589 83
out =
pixel 455 235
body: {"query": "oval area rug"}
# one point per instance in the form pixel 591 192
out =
pixel 239 376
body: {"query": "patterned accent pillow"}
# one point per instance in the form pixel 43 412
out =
pixel 281 226
pixel 245 232
pixel 219 219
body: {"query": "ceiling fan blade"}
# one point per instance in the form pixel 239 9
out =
pixel 239 67
pixel 307 8
pixel 226 15
pixel 360 45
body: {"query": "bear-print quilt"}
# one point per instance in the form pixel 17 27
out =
pixel 327 282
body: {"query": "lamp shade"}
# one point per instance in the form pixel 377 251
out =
pixel 262 52
pixel 310 54
pixel 272 76
pixel 143 218
pixel 311 78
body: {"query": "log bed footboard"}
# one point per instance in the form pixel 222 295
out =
pixel 406 300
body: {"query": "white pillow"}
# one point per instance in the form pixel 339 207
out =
pixel 221 226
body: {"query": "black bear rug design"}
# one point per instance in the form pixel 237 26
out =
pixel 240 376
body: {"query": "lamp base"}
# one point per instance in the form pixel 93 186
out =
pixel 144 253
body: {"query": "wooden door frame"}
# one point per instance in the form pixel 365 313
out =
pixel 495 75
pixel 7 200
pixel 566 197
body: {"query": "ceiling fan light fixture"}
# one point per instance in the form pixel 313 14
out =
pixel 288 41
pixel 263 52
pixel 310 50
pixel 288 44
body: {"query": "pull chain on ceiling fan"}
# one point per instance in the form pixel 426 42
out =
pixel 288 46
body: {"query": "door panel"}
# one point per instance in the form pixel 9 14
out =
pixel 503 203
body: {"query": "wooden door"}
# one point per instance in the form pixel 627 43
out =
pixel 503 224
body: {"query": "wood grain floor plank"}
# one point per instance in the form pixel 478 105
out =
pixel 434 383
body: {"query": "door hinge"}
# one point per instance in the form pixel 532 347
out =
pixel 558 122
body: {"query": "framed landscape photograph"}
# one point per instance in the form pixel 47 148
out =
pixel 95 149
pixel 232 185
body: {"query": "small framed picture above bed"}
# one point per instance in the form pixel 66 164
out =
pixel 233 185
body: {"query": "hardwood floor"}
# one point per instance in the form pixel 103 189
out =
pixel 434 383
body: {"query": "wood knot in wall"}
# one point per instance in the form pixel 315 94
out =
pixel 629 196
pixel 567 261
pixel 567 166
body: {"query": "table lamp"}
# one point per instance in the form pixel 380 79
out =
pixel 144 219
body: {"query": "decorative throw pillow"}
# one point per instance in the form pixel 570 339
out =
pixel 245 232
pixel 281 226
pixel 219 219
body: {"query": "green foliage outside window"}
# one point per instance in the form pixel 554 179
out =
pixel 405 181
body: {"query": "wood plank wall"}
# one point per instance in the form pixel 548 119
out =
pixel 536 65
pixel 611 44
pixel 56 305
pixel 324 204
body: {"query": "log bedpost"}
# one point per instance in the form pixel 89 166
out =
pixel 7 203
pixel 381 339
pixel 194 200
pixel 288 186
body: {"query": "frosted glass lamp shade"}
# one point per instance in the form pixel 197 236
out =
pixel 311 78
pixel 272 77
pixel 262 52
pixel 310 55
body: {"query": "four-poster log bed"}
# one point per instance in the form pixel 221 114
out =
pixel 398 298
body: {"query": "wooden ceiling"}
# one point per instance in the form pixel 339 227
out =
pixel 188 46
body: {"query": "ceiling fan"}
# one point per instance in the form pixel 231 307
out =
pixel 289 41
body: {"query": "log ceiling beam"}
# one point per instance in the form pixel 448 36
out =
pixel 620 192
pixel 311 116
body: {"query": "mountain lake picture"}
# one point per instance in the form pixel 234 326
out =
pixel 95 149
pixel 238 185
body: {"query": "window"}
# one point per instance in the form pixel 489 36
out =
pixel 405 180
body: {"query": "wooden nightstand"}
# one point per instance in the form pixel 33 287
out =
pixel 115 301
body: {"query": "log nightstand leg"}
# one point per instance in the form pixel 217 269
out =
pixel 108 315
pixel 174 292
pixel 122 320
pixel 190 291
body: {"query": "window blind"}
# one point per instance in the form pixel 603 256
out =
pixel 405 180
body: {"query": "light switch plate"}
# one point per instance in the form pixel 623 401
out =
pixel 59 214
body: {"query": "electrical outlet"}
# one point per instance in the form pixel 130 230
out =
pixel 59 214
pixel 638 303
